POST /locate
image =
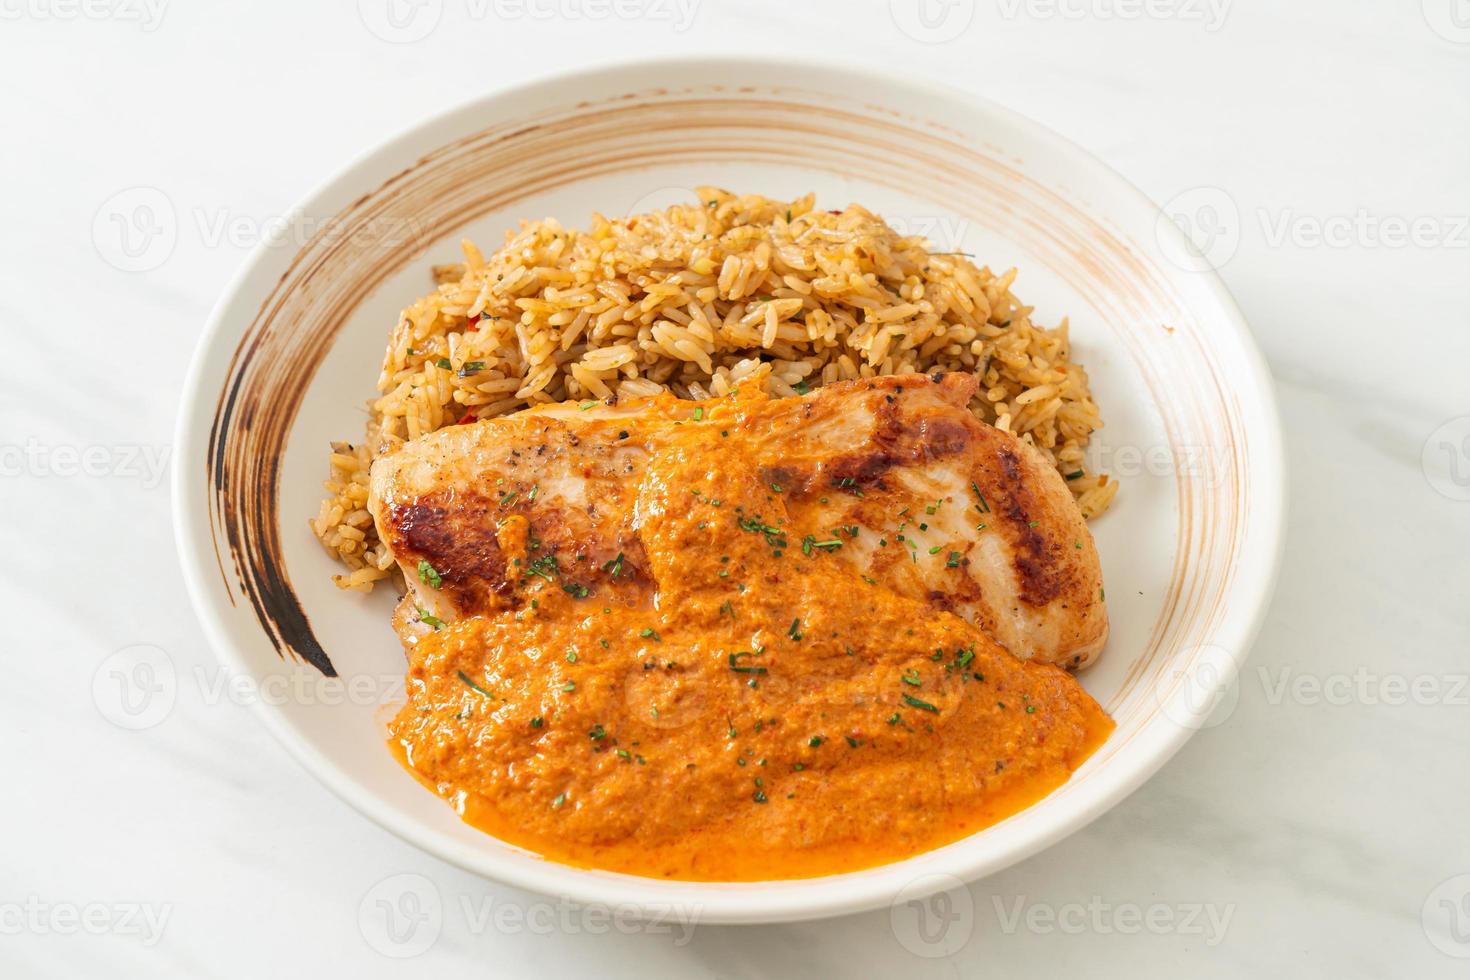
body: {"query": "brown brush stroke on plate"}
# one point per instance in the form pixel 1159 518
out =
pixel 490 170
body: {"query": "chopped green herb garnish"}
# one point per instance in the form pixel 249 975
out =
pixel 914 702
pixel 597 733
pixel 775 537
pixel 543 567
pixel 429 575
pixel 466 678
pixel 648 633
pixel 443 362
pixel 537 722
pixel 810 542
pixel 699 415
pixel 982 506
pixel 815 741
pixel 911 677
pixel 795 630
pixel 740 668
pixel 508 499
pixel 433 621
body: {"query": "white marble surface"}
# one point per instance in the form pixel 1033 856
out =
pixel 1308 832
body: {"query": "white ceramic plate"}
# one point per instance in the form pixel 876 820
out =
pixel 291 354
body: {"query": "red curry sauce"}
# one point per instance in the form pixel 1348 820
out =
pixel 743 708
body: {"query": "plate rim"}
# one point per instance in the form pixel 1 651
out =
pixel 752 902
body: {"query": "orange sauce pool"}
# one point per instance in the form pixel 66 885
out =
pixel 765 712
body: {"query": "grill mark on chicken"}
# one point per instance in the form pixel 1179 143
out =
pixel 455 533
pixel 1034 561
pixel 459 536
pixel 897 444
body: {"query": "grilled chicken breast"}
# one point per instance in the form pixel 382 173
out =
pixel 892 475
